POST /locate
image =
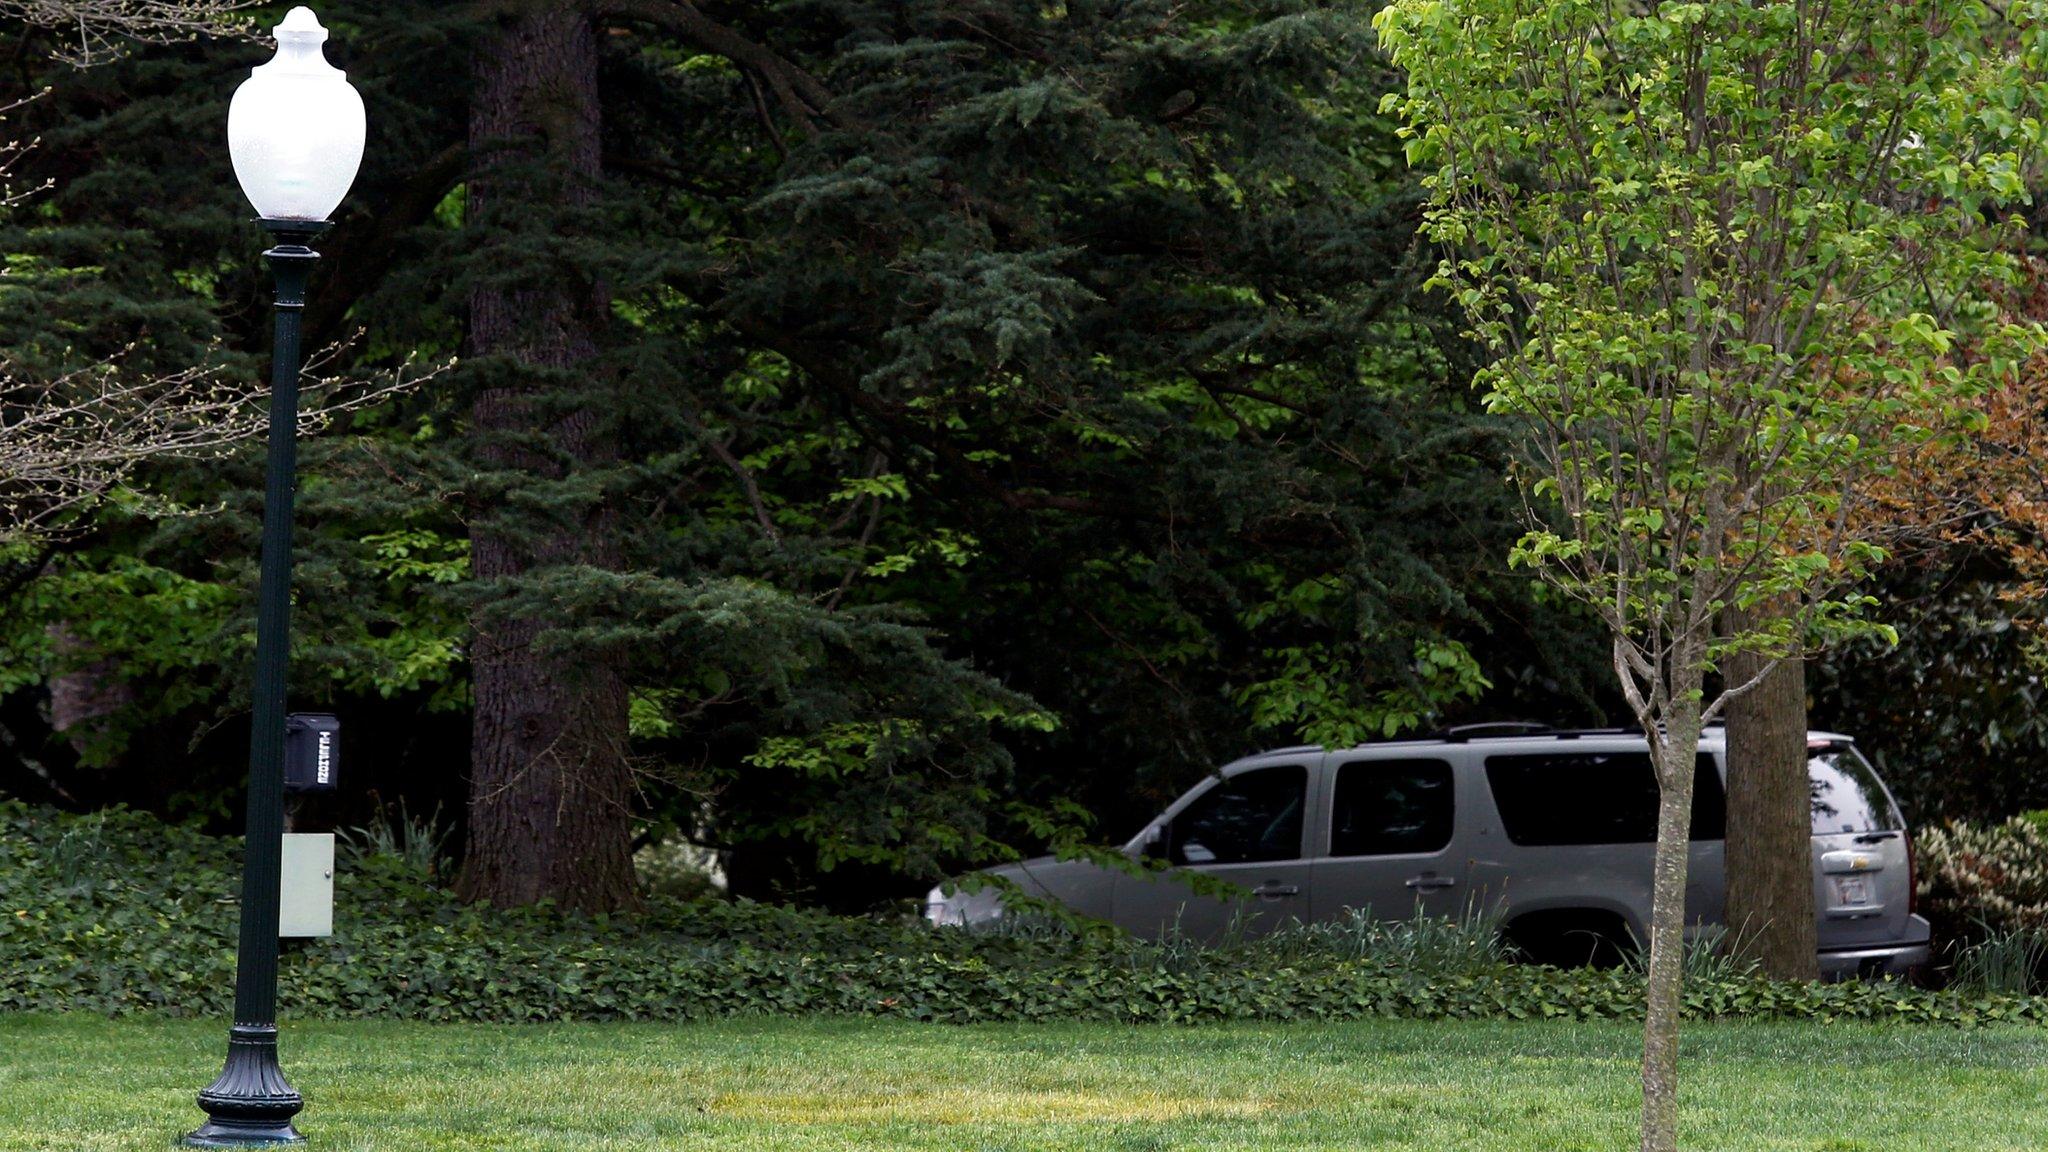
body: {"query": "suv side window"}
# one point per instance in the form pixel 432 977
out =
pixel 1391 808
pixel 1250 817
pixel 1595 798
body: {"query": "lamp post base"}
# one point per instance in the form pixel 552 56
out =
pixel 250 1104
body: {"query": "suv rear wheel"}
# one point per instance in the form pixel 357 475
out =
pixel 1571 938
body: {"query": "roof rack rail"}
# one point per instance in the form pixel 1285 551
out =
pixel 1459 733
pixel 1290 749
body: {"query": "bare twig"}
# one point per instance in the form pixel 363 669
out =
pixel 89 32
pixel 74 439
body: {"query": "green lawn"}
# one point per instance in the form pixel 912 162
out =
pixel 85 1083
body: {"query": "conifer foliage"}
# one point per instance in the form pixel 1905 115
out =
pixel 885 431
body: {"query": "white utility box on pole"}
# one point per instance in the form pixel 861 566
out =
pixel 306 885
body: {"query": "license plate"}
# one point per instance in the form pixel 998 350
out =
pixel 1852 890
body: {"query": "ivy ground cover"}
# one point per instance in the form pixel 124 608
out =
pixel 92 1084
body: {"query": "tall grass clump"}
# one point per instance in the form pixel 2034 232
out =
pixel 2004 962
pixel 1462 944
pixel 419 843
pixel 1713 955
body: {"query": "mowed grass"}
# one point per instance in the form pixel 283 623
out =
pixel 92 1084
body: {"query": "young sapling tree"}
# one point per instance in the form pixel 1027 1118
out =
pixel 1722 251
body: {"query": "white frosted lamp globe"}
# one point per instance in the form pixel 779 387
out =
pixel 295 127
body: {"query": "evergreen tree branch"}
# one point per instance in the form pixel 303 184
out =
pixel 1213 382
pixel 822 366
pixel 744 475
pixel 361 255
pixel 797 91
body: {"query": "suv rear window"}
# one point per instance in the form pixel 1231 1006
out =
pixel 1594 798
pixel 1847 796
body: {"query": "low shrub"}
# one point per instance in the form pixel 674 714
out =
pixel 117 913
pixel 1982 880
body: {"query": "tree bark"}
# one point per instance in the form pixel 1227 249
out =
pixel 1676 752
pixel 84 696
pixel 1770 843
pixel 550 787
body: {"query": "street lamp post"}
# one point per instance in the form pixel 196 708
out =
pixel 295 132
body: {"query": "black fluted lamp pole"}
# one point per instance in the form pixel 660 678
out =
pixel 295 131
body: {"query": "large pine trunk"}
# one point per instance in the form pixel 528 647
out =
pixel 1770 845
pixel 550 786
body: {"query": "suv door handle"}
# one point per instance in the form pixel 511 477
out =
pixel 1273 890
pixel 1428 882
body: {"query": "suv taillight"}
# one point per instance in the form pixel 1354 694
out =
pixel 1912 876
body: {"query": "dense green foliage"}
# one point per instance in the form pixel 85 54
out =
pixel 1058 418
pixel 117 913
pixel 1055 420
pixel 1952 714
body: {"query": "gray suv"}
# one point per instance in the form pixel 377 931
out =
pixel 1552 830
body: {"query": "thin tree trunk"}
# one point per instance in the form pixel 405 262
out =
pixel 81 698
pixel 550 787
pixel 1770 845
pixel 1676 751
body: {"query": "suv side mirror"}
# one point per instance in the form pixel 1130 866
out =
pixel 1158 841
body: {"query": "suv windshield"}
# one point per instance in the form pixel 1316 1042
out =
pixel 1847 796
